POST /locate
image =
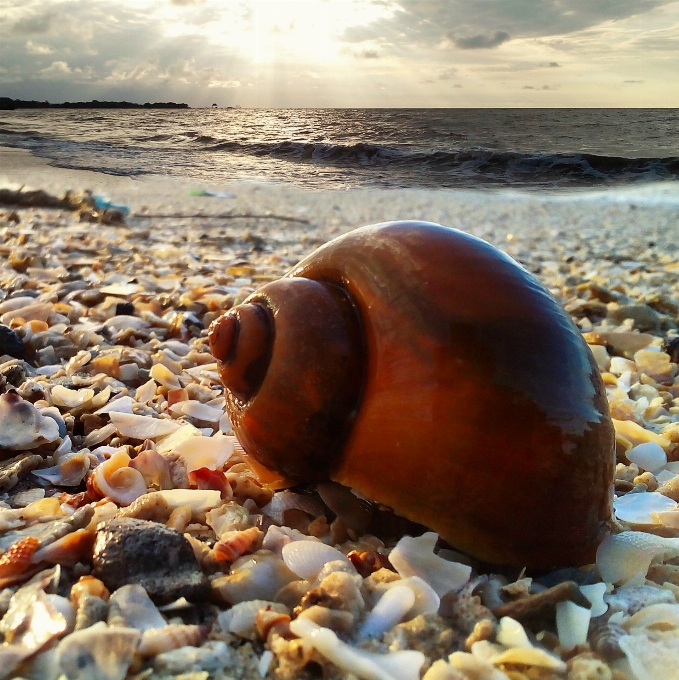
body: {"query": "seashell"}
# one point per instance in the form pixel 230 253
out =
pixel 179 518
pixel 159 640
pixel 197 410
pixel 228 517
pixel 253 577
pixel 23 426
pixel 16 468
pixel 199 500
pixel 511 633
pixel 415 557
pixel 389 610
pixel 605 640
pixel 269 622
pixel 637 508
pixel 241 619
pixel 120 405
pixel 400 665
pixel 660 616
pixel 572 624
pixel 67 550
pixel 379 351
pixel 595 594
pixel 649 456
pixel 88 585
pixel 18 558
pixel 154 468
pixel 90 610
pixel 145 393
pixel 142 427
pixel 114 479
pixel 97 652
pixel 169 443
pixel 529 657
pixel 214 655
pixel 62 396
pixel 287 500
pixel 70 471
pixel 204 452
pixel 278 537
pixel 307 558
pixel 621 557
pixel 131 607
pixel 233 544
pixel 150 506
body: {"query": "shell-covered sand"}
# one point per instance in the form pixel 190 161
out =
pixel 136 539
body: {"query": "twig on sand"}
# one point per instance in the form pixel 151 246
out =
pixel 223 216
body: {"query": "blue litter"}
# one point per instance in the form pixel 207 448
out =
pixel 104 203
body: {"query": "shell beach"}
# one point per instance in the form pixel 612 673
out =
pixel 138 540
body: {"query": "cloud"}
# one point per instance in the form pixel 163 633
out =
pixel 480 41
pixel 633 81
pixel 56 68
pixel 38 49
pixel 543 87
pixel 39 22
pixel 448 74
pixel 186 3
pixel 551 64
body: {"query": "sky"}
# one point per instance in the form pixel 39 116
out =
pixel 343 53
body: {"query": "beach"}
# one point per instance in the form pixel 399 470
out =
pixel 111 318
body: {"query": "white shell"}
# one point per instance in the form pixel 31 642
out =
pixel 227 517
pixel 23 426
pixel 204 452
pixel 621 557
pixel 636 508
pixel 199 500
pixel 572 623
pixel 415 557
pixel 401 665
pixel 132 607
pixel 287 500
pixel 307 558
pixel 171 442
pixel 649 456
pixel 241 618
pixel 511 633
pixel 390 610
pixel 142 427
pixel 595 594
pixel 197 410
pixel 121 405
pixel 62 396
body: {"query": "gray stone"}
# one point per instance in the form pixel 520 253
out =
pixel 160 559
pixel 645 318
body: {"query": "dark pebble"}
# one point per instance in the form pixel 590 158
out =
pixel 160 559
pixel 125 308
pixel 11 343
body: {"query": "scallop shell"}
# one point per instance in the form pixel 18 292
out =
pixel 389 610
pixel 159 640
pixel 23 426
pixel 400 665
pixel 621 557
pixel 18 558
pixel 415 557
pixel 307 558
pixel 241 619
pixel 114 479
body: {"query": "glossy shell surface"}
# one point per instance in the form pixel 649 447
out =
pixel 468 400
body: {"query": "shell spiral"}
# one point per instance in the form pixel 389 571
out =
pixel 429 371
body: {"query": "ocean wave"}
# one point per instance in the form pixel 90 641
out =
pixel 488 163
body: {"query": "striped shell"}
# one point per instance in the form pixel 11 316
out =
pixel 159 640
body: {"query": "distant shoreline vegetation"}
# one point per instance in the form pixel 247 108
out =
pixel 7 104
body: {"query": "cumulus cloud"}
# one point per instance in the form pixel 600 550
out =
pixel 38 49
pixel 56 68
pixel 479 41
pixel 448 74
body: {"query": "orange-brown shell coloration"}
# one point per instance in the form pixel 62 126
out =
pixel 429 371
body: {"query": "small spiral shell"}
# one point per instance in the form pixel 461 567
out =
pixel 159 640
pixel 114 479
pixel 605 641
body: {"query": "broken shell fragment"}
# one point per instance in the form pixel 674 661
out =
pixel 23 426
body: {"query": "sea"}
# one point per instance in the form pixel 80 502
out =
pixel 527 149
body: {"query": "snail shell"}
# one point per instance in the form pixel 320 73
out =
pixel 429 371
